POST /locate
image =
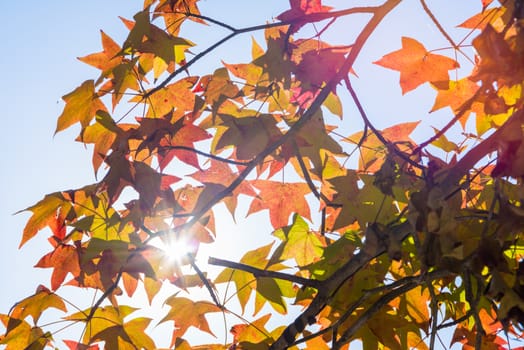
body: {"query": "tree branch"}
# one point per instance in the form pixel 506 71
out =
pixel 442 30
pixel 310 18
pixel 472 300
pixel 265 273
pixel 309 181
pixel 377 133
pixel 465 107
pixel 380 303
pixel 331 285
pixel 208 155
pixel 204 280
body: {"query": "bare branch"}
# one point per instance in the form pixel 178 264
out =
pixel 265 273
pixel 204 280
pixel 208 155
pixel 377 133
pixel 443 31
pixel 313 17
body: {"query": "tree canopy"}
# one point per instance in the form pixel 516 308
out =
pixel 379 237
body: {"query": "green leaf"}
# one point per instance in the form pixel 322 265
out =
pixel 245 282
pixel 301 244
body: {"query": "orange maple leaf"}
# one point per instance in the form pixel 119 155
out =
pixel 64 259
pixel 282 199
pixel 454 94
pixel 221 173
pixel 416 65
pixel 107 59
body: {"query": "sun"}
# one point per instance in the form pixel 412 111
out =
pixel 175 249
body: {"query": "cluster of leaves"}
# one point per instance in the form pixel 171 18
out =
pixel 414 239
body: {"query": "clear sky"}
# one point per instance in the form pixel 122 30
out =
pixel 41 42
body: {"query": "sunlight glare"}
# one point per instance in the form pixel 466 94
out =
pixel 175 249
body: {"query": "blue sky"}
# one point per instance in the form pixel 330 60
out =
pixel 41 43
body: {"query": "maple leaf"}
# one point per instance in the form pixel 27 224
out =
pixel 249 133
pixel 174 13
pixel 275 61
pixel 299 242
pixel 482 19
pixel 300 8
pixel 218 88
pixel 275 196
pixel 314 142
pixel 44 213
pixel 107 324
pixel 64 260
pixel 244 281
pixel 36 304
pixel 317 67
pixel 416 306
pixel 186 313
pixel 176 97
pixel 220 173
pixel 498 62
pixel 372 150
pixel 416 65
pixel 105 60
pixel 252 333
pixel 164 45
pixel 21 335
pixel 186 136
pixel 101 136
pixel 81 106
pixel 150 184
pixel 454 94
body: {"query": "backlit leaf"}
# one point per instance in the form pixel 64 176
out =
pixel 64 260
pixel 36 304
pixel 300 243
pixel 279 206
pixel 81 106
pixel 416 65
pixel 186 313
pixel 43 211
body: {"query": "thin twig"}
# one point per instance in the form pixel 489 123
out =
pixel 443 31
pixel 472 300
pixel 465 107
pixel 208 155
pixel 377 133
pixel 314 17
pixel 434 313
pixel 309 181
pixel 204 280
pixel 453 323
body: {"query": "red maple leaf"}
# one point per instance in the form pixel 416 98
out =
pixel 300 8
